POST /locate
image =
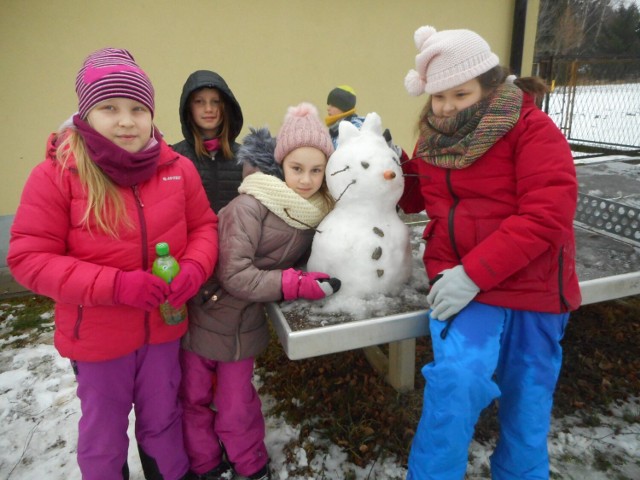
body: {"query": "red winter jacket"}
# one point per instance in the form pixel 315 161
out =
pixel 507 218
pixel 53 254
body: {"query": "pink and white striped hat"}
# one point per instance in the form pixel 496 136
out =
pixel 110 73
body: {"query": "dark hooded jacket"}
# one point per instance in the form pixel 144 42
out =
pixel 220 176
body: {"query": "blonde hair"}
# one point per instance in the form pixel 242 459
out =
pixel 105 205
pixel 329 201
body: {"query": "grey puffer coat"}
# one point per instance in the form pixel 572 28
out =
pixel 220 176
pixel 255 246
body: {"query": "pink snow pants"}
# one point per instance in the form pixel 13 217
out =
pixel 149 379
pixel 228 417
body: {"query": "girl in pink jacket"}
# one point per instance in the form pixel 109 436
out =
pixel 497 181
pixel 84 234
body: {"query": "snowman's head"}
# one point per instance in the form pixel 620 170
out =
pixel 364 168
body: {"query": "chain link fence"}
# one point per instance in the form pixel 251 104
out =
pixel 594 101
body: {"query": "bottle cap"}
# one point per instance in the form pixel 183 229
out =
pixel 162 248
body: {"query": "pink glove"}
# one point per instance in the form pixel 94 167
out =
pixel 186 284
pixel 139 289
pixel 308 285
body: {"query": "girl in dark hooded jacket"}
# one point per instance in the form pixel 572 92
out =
pixel 211 119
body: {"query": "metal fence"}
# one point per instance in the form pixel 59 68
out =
pixel 594 101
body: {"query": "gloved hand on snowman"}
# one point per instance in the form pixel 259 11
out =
pixel 308 285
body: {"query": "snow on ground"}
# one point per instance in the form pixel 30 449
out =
pixel 39 413
pixel 599 114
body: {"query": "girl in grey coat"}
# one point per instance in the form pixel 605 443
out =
pixel 262 234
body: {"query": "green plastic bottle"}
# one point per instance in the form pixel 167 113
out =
pixel 167 267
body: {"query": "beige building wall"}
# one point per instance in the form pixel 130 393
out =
pixel 272 53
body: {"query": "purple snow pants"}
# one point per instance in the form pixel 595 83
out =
pixel 149 379
pixel 229 415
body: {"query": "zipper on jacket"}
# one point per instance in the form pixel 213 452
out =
pixel 236 357
pixel 145 250
pixel 564 305
pixel 452 214
pixel 76 328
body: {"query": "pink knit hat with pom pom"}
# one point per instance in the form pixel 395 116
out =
pixel 302 127
pixel 447 59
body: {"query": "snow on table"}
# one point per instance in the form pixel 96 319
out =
pixel 608 268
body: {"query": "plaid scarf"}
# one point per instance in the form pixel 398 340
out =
pixel 457 142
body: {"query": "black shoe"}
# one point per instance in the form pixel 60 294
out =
pixel 263 474
pixel 221 472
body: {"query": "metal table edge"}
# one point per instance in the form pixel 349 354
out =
pixel 323 340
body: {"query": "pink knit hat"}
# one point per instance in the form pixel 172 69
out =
pixel 447 59
pixel 302 127
pixel 109 73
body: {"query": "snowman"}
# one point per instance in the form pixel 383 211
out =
pixel 362 241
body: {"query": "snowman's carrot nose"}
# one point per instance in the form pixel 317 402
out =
pixel 389 174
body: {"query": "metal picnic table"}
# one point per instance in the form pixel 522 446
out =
pixel 608 263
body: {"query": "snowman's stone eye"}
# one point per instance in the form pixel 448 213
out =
pixel 365 165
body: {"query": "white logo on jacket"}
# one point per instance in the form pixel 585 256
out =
pixel 168 179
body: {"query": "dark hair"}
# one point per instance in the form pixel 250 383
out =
pixel 534 86
pixel 491 80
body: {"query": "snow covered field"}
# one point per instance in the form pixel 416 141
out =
pixel 608 114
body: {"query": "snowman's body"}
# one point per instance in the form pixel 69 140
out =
pixel 362 241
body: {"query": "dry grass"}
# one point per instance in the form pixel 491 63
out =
pixel 342 396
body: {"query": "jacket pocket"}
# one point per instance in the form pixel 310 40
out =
pixel 428 230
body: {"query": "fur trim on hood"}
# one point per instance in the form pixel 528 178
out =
pixel 257 153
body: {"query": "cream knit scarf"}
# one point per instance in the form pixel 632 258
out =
pixel 274 194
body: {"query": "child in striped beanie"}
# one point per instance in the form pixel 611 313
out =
pixel 108 191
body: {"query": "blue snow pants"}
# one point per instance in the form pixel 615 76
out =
pixel 522 349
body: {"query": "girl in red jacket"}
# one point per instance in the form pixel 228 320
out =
pixel 264 232
pixel 84 234
pixel 497 181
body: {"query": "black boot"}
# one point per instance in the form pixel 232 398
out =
pixel 224 471
pixel 149 466
pixel 263 474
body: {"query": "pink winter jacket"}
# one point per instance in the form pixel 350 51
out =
pixel 507 218
pixel 53 254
